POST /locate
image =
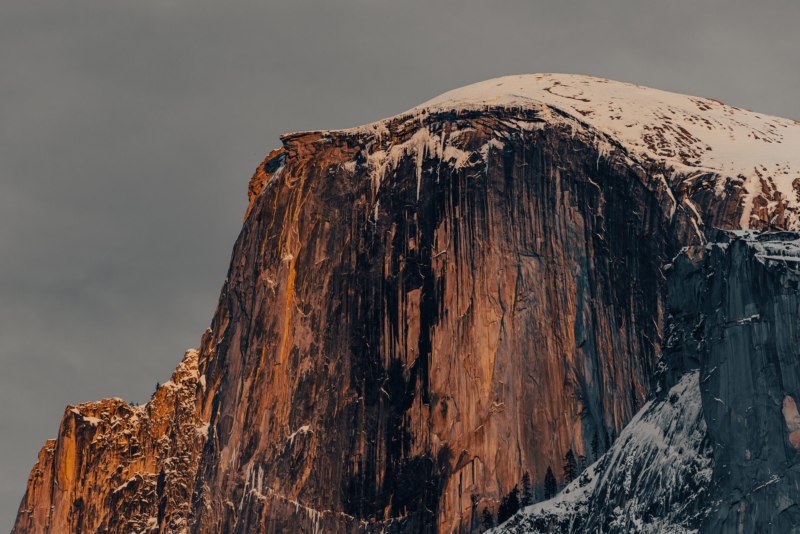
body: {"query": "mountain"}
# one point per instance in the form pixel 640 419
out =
pixel 422 310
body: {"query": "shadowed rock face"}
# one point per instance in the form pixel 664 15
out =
pixel 751 378
pixel 716 450
pixel 416 313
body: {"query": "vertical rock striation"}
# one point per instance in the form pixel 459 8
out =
pixel 429 347
pixel 420 310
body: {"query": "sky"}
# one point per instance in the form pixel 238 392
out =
pixel 129 131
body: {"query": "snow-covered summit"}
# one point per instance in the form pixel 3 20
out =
pixel 663 126
pixel 692 135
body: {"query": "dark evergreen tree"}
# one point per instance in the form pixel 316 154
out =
pixel 526 499
pixel 582 462
pixel 488 519
pixel 595 446
pixel 508 506
pixel 513 501
pixel 570 467
pixel 549 484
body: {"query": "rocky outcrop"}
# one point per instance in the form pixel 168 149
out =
pixel 436 334
pixel 120 468
pixel 420 310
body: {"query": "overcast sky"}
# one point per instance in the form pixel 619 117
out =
pixel 129 131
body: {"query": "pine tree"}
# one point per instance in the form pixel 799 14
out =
pixel 582 462
pixel 502 511
pixel 513 501
pixel 488 519
pixel 549 484
pixel 527 496
pixel 508 506
pixel 595 446
pixel 570 467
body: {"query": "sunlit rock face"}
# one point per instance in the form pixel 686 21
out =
pixel 119 468
pixel 413 343
pixel 420 310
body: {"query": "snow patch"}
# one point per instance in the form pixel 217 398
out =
pixel 302 430
pixel 459 157
pixel 202 431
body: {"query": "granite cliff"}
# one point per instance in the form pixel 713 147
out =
pixel 421 310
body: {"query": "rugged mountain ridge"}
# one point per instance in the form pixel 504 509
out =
pixel 420 310
pixel 119 468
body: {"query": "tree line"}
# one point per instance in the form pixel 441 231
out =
pixel 522 495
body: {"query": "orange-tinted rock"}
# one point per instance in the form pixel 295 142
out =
pixel 119 468
pixel 792 418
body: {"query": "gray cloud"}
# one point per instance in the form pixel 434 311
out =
pixel 129 130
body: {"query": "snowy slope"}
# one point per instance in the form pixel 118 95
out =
pixel 651 480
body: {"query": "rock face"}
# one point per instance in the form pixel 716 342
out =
pixel 420 310
pixel 654 479
pixel 718 451
pixel 750 364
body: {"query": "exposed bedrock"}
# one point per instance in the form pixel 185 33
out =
pixel 119 468
pixel 716 449
pixel 653 480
